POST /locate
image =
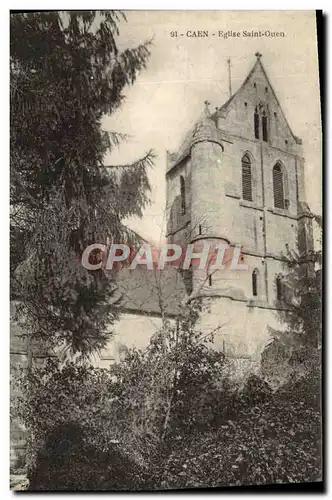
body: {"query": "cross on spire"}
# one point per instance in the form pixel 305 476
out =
pixel 258 55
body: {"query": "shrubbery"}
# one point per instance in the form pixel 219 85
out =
pixel 68 462
pixel 167 417
pixel 271 438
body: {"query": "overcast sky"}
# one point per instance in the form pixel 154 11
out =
pixel 168 97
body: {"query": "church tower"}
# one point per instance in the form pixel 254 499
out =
pixel 238 178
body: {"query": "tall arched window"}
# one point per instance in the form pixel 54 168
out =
pixel 264 127
pixel 256 123
pixel 255 283
pixel 261 116
pixel 183 195
pixel 278 186
pixel 246 178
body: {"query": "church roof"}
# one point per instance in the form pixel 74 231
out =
pixel 150 292
pixel 258 64
pixel 204 128
pixel 210 120
pixel 144 291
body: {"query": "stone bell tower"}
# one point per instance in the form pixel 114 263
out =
pixel 238 178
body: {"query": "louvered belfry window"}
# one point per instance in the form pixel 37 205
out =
pixel 278 187
pixel 246 178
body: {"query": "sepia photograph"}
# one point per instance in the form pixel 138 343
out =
pixel 165 250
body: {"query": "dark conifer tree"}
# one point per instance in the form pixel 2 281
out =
pixel 66 74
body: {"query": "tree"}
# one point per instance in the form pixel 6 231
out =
pixel 72 444
pixel 297 349
pixel 136 409
pixel 66 73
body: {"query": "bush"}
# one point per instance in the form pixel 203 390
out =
pixel 67 463
pixel 143 402
pixel 271 438
pixel 167 417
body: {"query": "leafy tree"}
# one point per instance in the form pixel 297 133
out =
pixel 73 433
pixel 295 351
pixel 268 441
pixel 66 74
pixel 166 417
pixel 67 462
pixel 167 392
pixel 303 315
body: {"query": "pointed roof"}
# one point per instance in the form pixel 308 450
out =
pixel 208 121
pixel 205 127
pixel 258 64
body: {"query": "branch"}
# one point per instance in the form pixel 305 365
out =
pixel 147 160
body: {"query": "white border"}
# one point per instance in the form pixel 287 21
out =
pixel 4 199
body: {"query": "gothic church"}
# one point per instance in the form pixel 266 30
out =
pixel 238 178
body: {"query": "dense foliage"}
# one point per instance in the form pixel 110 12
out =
pixel 168 417
pixel 67 463
pixel 268 439
pixel 66 73
pixel 141 402
pixel 296 349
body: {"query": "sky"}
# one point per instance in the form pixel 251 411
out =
pixel 182 72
